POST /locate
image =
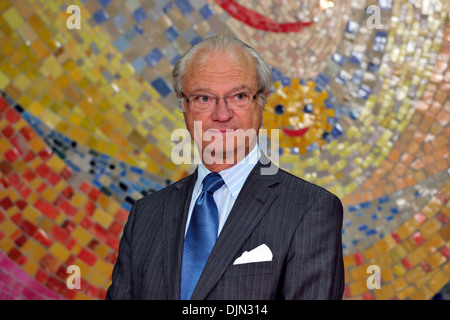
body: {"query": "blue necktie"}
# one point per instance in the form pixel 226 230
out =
pixel 201 235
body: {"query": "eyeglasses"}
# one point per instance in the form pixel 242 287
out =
pixel 204 102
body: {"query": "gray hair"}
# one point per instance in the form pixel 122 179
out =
pixel 219 43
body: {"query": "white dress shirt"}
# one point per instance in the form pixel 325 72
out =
pixel 234 179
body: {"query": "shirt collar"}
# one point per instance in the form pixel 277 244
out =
pixel 235 176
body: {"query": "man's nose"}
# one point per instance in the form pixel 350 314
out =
pixel 222 112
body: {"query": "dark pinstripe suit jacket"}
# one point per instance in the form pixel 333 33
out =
pixel 299 221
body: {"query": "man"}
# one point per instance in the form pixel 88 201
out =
pixel 229 231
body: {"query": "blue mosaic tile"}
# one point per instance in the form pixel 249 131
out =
pixel 379 41
pixel 339 59
pixel 139 64
pixel 139 15
pixel 337 131
pixel 195 41
pixel 184 6
pixel 121 44
pixel 139 29
pixel 130 34
pixel 100 16
pixel 171 33
pixel 161 86
pixel 352 27
pixel 119 20
pixel 153 57
pixel 168 7
pixel 206 11
pixel 174 60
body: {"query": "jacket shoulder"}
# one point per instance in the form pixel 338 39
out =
pixel 306 188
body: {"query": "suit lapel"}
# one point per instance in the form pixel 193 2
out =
pixel 255 197
pixel 175 216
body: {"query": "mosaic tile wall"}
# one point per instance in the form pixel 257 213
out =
pixel 361 98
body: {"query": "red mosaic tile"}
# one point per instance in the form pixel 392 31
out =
pixel 25 192
pixel 12 155
pixel 86 222
pixel 56 285
pixel 8 131
pixel 89 208
pixel 406 263
pixel 53 178
pixel 442 218
pixel 94 194
pixel 28 227
pixel 27 133
pixel 70 243
pixel 41 276
pixel 46 208
pixel 6 203
pixel 115 228
pixel 396 237
pixel 59 234
pixel 84 187
pixel 17 256
pixel 29 156
pixel 11 115
pixel 20 241
pixel 66 173
pixel 445 252
pixel 3 104
pixel 418 238
pixel 43 170
pixel 29 175
pixel 99 232
pixel 68 192
pixel 41 188
pixel 68 225
pixel 43 238
pixel 113 242
pixel 368 296
pixel 359 259
pixel 68 208
pixel 45 154
pixel 70 294
pixel 14 179
pixel 111 257
pixel 87 257
pixel 16 218
pixel 21 204
pixel 122 215
pixel 49 263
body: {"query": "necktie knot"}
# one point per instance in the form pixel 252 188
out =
pixel 212 182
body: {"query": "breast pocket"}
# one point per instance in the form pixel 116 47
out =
pixel 253 268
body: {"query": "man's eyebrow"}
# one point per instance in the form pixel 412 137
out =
pixel 239 87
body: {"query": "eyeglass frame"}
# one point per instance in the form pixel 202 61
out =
pixel 218 98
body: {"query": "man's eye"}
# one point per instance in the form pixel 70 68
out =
pixel 240 96
pixel 202 99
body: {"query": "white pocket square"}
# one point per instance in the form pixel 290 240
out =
pixel 259 254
